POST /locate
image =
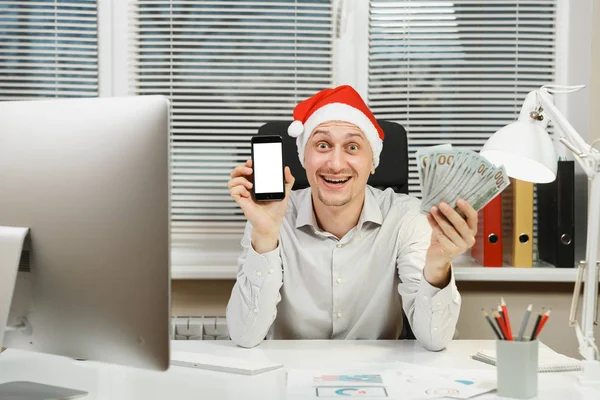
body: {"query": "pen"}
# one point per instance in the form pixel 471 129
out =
pixel 506 319
pixel 500 322
pixel 489 320
pixel 537 323
pixel 542 323
pixel 524 323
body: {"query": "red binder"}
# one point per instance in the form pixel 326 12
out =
pixel 488 242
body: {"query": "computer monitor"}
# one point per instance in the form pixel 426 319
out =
pixel 89 178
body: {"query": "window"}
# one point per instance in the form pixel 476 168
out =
pixel 48 49
pixel 456 72
pixel 228 67
pixel 449 71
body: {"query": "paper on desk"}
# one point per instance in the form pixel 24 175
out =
pixel 312 384
pixel 418 382
pixel 390 380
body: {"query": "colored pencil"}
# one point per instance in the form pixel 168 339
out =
pixel 542 323
pixel 506 319
pixel 537 324
pixel 497 324
pixel 524 323
pixel 489 320
pixel 500 322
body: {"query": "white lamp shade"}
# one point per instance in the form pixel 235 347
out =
pixel 526 151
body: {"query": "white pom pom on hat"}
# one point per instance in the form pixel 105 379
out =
pixel 295 129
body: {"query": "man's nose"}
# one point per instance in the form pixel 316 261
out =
pixel 338 159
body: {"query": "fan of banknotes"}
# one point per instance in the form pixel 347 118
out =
pixel 447 174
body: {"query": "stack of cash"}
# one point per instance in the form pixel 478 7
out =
pixel 447 174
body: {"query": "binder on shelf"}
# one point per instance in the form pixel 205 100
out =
pixel 517 223
pixel 488 242
pixel 556 217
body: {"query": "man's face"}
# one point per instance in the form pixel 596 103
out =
pixel 338 160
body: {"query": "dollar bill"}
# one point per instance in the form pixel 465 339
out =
pixel 422 156
pixel 447 174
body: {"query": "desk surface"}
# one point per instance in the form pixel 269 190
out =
pixel 108 382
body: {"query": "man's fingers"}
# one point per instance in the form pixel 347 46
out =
pixel 459 224
pixel 447 228
pixel 470 213
pixel 289 180
pixel 239 191
pixel 240 180
pixel 242 170
pixel 448 246
pixel 434 225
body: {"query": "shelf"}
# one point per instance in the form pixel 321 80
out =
pixel 190 272
pixel 507 273
pixel 464 270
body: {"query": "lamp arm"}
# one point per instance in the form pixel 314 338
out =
pixel 589 159
pixel 586 155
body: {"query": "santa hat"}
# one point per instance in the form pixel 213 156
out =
pixel 339 104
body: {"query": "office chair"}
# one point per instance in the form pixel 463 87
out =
pixel 393 164
pixel 391 172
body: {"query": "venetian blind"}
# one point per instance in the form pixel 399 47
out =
pixel 48 49
pixel 228 67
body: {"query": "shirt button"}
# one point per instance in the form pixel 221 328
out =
pixel 425 298
pixel 255 311
pixel 271 271
pixel 258 273
pixel 339 280
pixel 435 328
pixel 339 314
pixel 339 245
pixel 439 303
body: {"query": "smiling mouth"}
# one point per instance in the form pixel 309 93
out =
pixel 336 181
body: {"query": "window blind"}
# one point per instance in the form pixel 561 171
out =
pixel 48 49
pixel 228 67
pixel 457 71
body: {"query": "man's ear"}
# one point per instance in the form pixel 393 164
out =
pixel 372 169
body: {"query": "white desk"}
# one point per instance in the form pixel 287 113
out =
pixel 108 382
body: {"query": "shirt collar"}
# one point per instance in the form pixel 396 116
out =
pixel 370 212
pixel 306 215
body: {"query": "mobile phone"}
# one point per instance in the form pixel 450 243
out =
pixel 268 164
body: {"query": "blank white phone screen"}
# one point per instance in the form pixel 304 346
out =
pixel 268 168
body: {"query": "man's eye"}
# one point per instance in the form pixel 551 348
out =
pixel 322 145
pixel 353 147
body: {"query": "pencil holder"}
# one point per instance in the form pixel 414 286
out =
pixel 517 368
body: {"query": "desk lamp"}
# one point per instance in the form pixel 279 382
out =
pixel 527 152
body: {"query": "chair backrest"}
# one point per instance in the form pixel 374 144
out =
pixel 391 172
pixel 393 165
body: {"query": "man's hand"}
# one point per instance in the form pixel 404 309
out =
pixel 265 216
pixel 452 235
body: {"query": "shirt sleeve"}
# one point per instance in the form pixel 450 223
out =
pixel 252 307
pixel 432 312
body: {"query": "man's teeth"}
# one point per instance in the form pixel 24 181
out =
pixel 336 180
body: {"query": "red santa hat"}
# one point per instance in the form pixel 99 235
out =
pixel 339 104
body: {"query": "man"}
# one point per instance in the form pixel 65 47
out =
pixel 341 259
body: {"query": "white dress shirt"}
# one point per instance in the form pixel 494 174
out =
pixel 316 286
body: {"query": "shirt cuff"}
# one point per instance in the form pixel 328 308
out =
pixel 260 268
pixel 437 298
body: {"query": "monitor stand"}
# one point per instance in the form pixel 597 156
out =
pixel 11 245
